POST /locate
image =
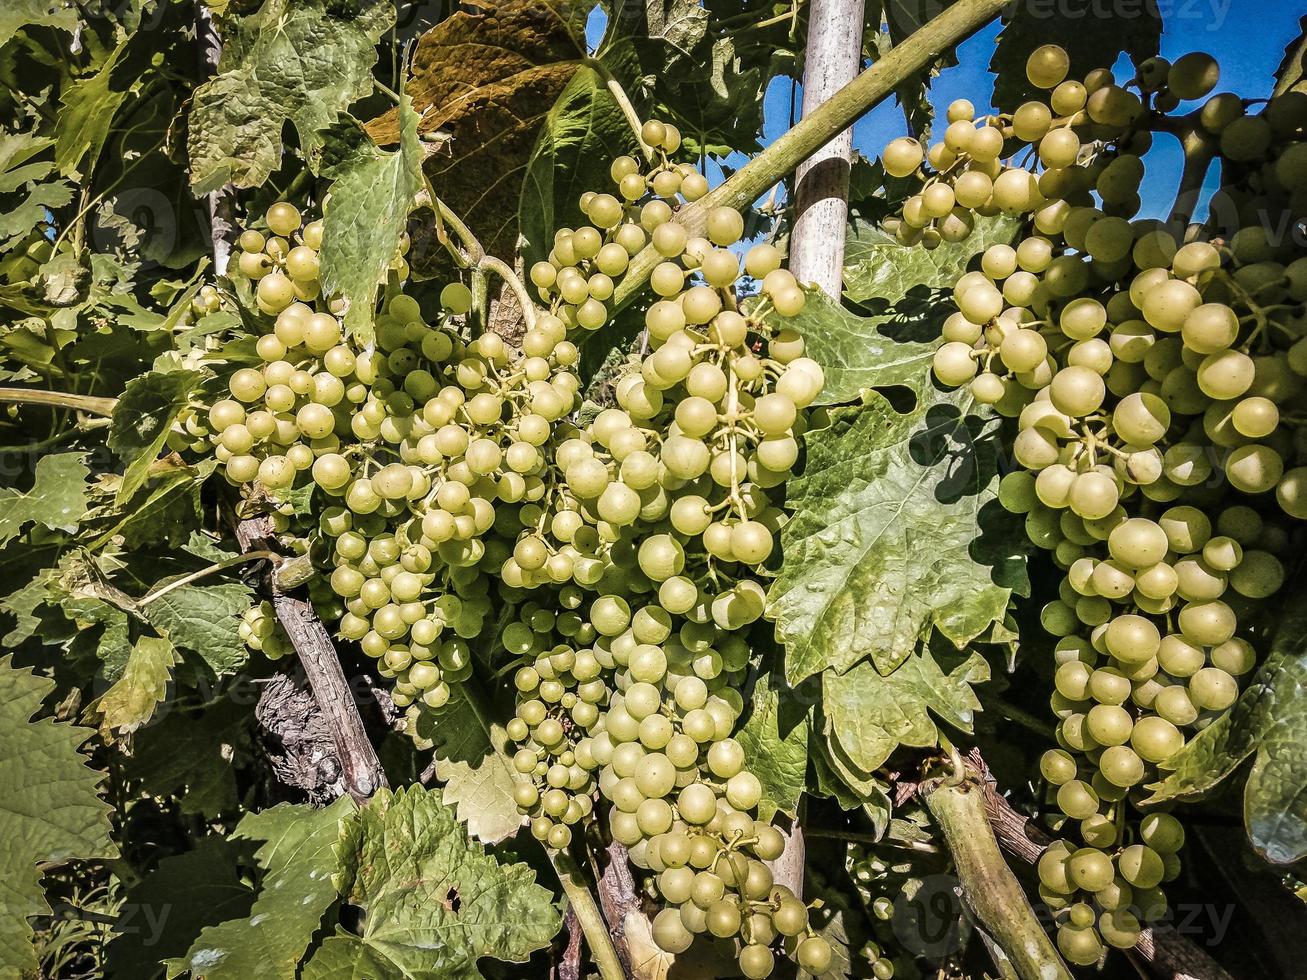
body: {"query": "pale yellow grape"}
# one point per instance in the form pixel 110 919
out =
pixel 1226 374
pixel 283 219
pixel 725 226
pixel 902 156
pixel 1031 121
pixel 1168 304
pixel 1047 66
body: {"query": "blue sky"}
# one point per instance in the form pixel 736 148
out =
pixel 1247 37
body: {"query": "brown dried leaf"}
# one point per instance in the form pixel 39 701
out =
pixel 487 79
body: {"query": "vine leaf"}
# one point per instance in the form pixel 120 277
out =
pixel 89 107
pixel 17 172
pixel 855 352
pixel 894 534
pixel 583 131
pixel 1291 76
pixel 299 860
pixel 185 893
pixel 141 419
pixel 130 703
pixel 775 741
pixel 1269 724
pixel 899 286
pixel 877 267
pixel 205 619
pixel 435 901
pixel 486 80
pixel 303 61
pixel 474 768
pixel 57 500
pixel 871 715
pixel 1092 36
pixel 50 808
pixel 191 753
pixel 371 199
pixel 17 14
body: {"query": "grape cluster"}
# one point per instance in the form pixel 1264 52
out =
pixel 447 474
pixel 669 497
pixel 1157 377
pixel 260 630
pixel 413 442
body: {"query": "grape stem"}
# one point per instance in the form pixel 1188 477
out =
pixel 61 399
pixel 816 130
pixel 474 255
pixel 1167 954
pixel 582 902
pixel 989 887
pixel 226 563
pixel 623 101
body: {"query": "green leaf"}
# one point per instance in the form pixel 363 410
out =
pixel 191 754
pixel 299 861
pixel 17 14
pixel 89 107
pixel 775 742
pixel 370 202
pixel 583 132
pixel 434 900
pixel 1094 36
pixel 130 703
pixel 172 903
pixel 878 268
pixel 870 715
pixel 17 173
pixel 165 509
pixel 484 80
pixel 303 61
pixel 1269 723
pixel 57 499
pixel 704 70
pixel 50 808
pixel 145 412
pixel 205 619
pixel 473 766
pixel 1291 76
pixel 856 352
pixel 893 535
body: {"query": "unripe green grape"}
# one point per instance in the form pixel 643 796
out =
pixel 1077 391
pixel 1031 121
pixel 1077 800
pixel 756 961
pixel 1254 468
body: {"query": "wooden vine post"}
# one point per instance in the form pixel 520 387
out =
pixel 832 59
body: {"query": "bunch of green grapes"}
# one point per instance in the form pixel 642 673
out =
pixel 260 630
pixel 425 450
pixel 625 557
pixel 670 500
pixel 1157 376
